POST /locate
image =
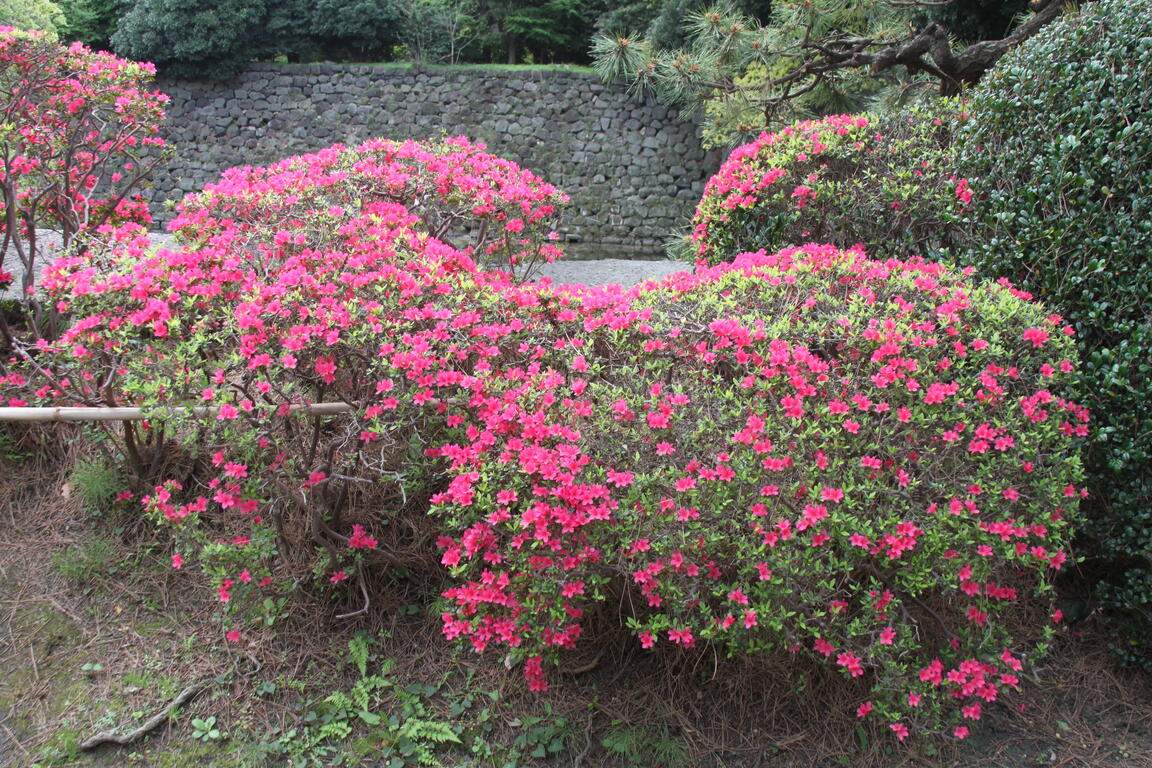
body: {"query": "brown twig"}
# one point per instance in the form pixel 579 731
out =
pixel 108 737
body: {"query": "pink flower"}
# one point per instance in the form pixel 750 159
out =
pixel 233 636
pixel 963 193
pixel 960 732
pixel 900 730
pixel 1037 336
pixel 338 577
pixel 177 561
pixel 851 662
pixel 832 494
pixel 657 420
pixel 864 709
pixel 361 540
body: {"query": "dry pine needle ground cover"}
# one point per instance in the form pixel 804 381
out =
pixel 98 634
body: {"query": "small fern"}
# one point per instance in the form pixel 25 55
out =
pixel 431 730
pixel 359 653
pixel 641 746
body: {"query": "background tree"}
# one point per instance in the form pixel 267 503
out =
pixel 668 27
pixel 813 57
pixel 354 30
pixel 191 38
pixel 31 14
pixel 91 22
pixel 971 20
pixel 438 31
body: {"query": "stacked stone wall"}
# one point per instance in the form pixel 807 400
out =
pixel 633 168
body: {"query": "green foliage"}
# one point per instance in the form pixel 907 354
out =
pixel 361 30
pixel 880 181
pixel 32 14
pixel 402 728
pixel 644 747
pixel 539 736
pixel 205 729
pixel 1059 156
pixel 97 484
pixel 190 38
pixel 92 22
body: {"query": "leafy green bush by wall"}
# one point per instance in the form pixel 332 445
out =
pixel 1058 153
pixel 884 182
pixel 192 39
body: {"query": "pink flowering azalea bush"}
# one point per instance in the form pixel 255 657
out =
pixel 292 286
pixel 881 182
pixel 78 135
pixel 811 452
pixel 487 207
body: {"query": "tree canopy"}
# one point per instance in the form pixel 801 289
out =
pixel 813 57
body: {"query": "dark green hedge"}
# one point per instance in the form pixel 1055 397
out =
pixel 1058 152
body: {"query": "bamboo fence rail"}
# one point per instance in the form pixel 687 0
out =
pixel 31 414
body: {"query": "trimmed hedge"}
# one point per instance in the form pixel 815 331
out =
pixel 1058 152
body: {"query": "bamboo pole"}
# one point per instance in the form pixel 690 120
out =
pixel 30 414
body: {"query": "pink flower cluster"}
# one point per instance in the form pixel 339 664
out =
pixel 801 452
pixel 748 515
pixel 844 179
pixel 82 133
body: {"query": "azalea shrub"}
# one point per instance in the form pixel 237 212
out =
pixel 862 462
pixel 810 452
pixel 883 182
pixel 484 206
pixel 293 286
pixel 79 134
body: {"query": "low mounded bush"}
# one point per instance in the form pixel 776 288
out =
pixel 805 453
pixel 861 462
pixel 1058 152
pixel 884 183
pixel 487 207
pixel 296 284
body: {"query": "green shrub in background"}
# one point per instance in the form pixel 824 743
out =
pixel 1058 152
pixel 31 14
pixel 881 181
